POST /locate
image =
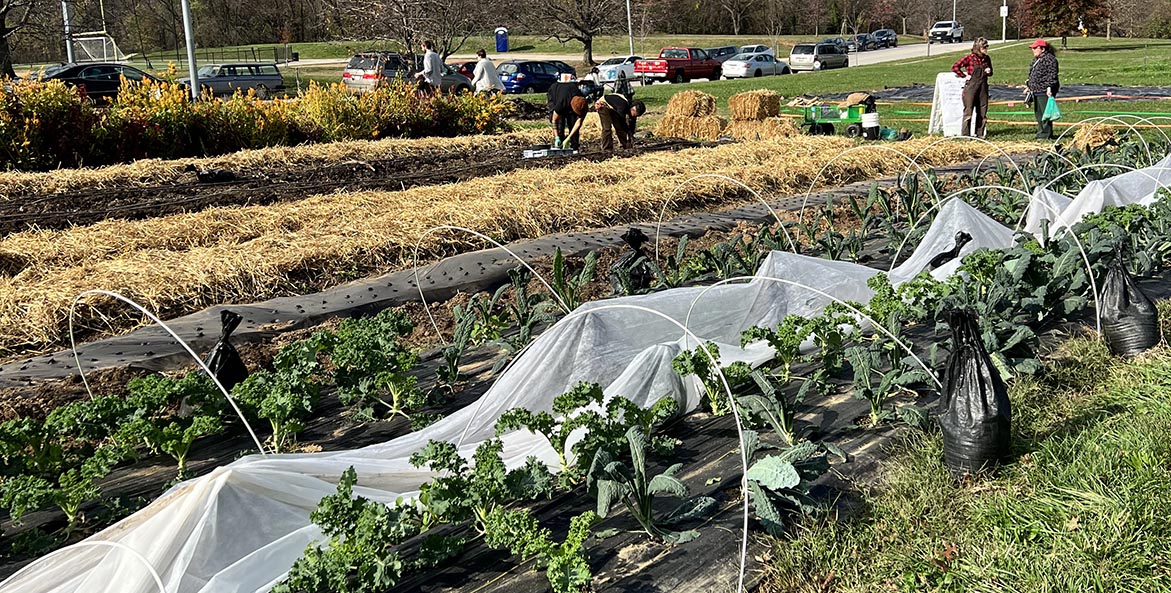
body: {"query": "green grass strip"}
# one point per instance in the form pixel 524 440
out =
pixel 1084 508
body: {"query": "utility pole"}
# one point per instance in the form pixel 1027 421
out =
pixel 953 10
pixel 630 28
pixel 189 33
pixel 1004 22
pixel 68 31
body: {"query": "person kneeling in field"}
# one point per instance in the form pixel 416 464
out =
pixel 568 108
pixel 620 114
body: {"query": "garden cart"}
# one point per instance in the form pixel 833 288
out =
pixel 821 119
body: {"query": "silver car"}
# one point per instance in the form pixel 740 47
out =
pixel 366 71
pixel 754 65
pixel 819 56
pixel 226 79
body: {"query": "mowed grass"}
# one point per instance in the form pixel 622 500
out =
pixel 1083 508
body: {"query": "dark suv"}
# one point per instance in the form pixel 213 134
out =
pixel 531 76
pixel 886 38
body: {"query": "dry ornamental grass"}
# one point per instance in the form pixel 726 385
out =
pixel 179 264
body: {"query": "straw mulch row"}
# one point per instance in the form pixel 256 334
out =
pixel 754 105
pixel 150 172
pixel 1092 136
pixel 179 264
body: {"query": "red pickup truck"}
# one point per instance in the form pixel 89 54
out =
pixel 678 64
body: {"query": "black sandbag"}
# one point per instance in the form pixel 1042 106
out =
pixel 940 259
pixel 1130 321
pixel 224 361
pixel 975 413
pixel 631 269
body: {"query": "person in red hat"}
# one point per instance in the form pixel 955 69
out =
pixel 1042 84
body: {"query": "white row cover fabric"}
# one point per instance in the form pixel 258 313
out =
pixel 1140 186
pixel 240 528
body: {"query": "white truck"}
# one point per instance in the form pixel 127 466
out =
pixel 946 31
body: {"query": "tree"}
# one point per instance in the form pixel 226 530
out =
pixel 578 20
pixel 1056 17
pixel 14 15
pixel 449 23
pixel 736 9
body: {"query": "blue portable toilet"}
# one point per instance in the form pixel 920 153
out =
pixel 501 39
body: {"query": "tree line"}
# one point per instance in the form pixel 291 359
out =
pixel 32 30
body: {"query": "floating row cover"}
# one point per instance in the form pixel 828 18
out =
pixel 239 528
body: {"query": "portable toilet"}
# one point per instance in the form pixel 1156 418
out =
pixel 501 39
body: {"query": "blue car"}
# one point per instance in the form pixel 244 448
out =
pixel 531 76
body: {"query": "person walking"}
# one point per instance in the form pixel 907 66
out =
pixel 1042 84
pixel 976 68
pixel 619 114
pixel 567 109
pixel 431 76
pixel 485 79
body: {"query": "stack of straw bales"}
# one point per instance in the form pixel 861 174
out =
pixel 754 117
pixel 691 114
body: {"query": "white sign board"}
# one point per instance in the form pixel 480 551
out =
pixel 947 108
pixel 1003 11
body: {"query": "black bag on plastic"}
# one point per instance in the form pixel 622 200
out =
pixel 942 258
pixel 974 413
pixel 630 272
pixel 1130 321
pixel 224 361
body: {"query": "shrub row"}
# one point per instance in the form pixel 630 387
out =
pixel 47 125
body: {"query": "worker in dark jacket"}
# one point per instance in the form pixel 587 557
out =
pixel 1042 84
pixel 619 114
pixel 567 108
pixel 975 68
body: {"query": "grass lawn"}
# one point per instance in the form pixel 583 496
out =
pixel 1083 508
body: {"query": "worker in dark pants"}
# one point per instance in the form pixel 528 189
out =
pixel 567 109
pixel 1042 84
pixel 976 68
pixel 619 114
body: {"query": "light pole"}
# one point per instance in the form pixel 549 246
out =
pixel 68 31
pixel 630 28
pixel 189 34
pixel 1004 22
pixel 953 10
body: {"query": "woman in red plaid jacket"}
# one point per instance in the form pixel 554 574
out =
pixel 976 67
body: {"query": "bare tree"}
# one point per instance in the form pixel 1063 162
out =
pixel 14 15
pixel 736 9
pixel 579 20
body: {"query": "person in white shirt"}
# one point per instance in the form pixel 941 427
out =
pixel 431 77
pixel 485 79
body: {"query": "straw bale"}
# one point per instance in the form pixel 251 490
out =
pixel 769 129
pixel 701 128
pixel 182 263
pixel 1092 136
pixel 691 104
pixel 754 105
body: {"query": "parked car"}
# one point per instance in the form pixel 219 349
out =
pixel 609 70
pixel 563 68
pixel 722 54
pixel 946 31
pixel 886 38
pixel 837 41
pixel 226 79
pixel 861 42
pixel 757 49
pixel 467 69
pixel 530 76
pixel 753 66
pixel 100 81
pixel 817 56
pixel 368 70
pixel 679 64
